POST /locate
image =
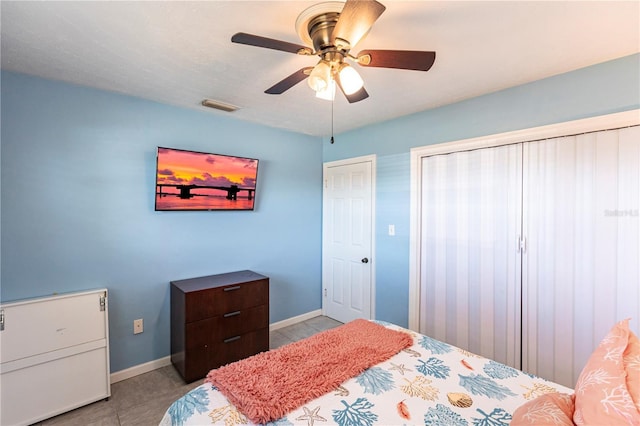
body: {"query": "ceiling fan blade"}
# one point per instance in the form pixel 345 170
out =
pixel 289 82
pixel 354 97
pixel 358 96
pixel 401 59
pixel 356 19
pixel 270 43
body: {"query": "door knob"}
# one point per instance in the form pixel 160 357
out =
pixel 365 260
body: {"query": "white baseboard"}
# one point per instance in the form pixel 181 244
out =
pixel 136 370
pixel 294 320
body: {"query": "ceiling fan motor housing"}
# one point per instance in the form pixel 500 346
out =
pixel 320 30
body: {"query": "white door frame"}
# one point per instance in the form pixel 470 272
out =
pixel 363 159
pixel 616 120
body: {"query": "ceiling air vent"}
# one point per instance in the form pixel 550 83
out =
pixel 210 103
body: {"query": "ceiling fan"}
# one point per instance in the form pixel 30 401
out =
pixel 333 28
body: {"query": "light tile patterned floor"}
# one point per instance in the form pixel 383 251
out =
pixel 142 400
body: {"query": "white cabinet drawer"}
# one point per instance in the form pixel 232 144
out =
pixel 49 324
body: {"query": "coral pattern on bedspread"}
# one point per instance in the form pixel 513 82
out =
pixel 429 383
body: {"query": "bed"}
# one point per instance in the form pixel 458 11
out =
pixel 433 383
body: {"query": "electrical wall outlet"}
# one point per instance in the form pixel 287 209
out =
pixel 138 326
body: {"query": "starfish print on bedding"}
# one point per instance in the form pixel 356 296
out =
pixel 311 416
pixel 399 368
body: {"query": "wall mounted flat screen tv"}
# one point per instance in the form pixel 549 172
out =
pixel 191 180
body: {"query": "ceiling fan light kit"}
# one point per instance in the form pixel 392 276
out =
pixel 320 76
pixel 350 80
pixel 329 93
pixel 325 74
pixel 333 28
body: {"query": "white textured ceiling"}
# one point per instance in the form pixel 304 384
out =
pixel 179 52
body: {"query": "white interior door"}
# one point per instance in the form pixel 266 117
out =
pixel 347 262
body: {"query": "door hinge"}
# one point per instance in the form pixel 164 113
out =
pixel 103 301
pixel 325 292
pixel 522 244
pixel 1 319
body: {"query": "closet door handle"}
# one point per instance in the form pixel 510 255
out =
pixel 231 288
pixel 521 244
pixel 232 339
pixel 231 314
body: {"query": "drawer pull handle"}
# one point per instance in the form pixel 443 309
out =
pixel 231 314
pixel 232 339
pixel 232 288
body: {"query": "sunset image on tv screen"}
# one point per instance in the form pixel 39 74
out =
pixel 189 180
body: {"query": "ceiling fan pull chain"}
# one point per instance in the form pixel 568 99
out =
pixel 332 102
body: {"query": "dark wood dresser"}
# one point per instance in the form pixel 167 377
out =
pixel 216 320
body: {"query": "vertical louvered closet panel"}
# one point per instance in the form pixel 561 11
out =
pixel 470 274
pixel 530 252
pixel 581 269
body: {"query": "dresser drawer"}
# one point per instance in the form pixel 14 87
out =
pixel 219 301
pixel 243 320
pixel 238 347
pixel 217 341
pixel 200 335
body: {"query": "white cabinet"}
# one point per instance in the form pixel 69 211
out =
pixel 54 355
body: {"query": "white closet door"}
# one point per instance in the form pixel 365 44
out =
pixel 470 267
pixel 581 271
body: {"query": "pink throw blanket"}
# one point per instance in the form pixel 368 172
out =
pixel 267 386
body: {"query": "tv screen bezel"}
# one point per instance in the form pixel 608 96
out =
pixel 190 151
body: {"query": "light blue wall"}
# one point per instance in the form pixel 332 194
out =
pixel 605 88
pixel 77 175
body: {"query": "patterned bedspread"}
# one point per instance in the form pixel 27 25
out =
pixel 430 383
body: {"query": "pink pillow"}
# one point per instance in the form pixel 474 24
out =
pixel 631 361
pixel 550 409
pixel 602 394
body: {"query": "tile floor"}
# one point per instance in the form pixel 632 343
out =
pixel 142 400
